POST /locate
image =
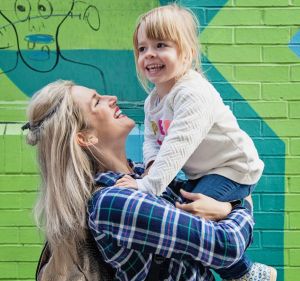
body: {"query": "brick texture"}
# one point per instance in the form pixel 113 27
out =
pixel 247 56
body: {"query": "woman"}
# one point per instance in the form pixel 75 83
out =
pixel 80 137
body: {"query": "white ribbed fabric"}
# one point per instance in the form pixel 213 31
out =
pixel 192 129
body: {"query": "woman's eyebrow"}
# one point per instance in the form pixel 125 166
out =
pixel 93 97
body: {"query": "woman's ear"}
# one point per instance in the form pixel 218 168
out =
pixel 85 140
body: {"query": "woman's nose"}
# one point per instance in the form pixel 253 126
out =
pixel 112 100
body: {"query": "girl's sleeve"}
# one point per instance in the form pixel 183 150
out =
pixel 193 118
pixel 149 224
pixel 150 145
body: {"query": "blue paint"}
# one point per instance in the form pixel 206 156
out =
pixel 39 38
pixel 274 166
pixel 39 56
pixel 118 68
pixel 205 10
pixel 294 45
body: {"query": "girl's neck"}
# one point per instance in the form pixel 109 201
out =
pixel 163 89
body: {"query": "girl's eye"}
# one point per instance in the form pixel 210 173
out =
pixel 161 45
pixel 141 49
pixel 97 102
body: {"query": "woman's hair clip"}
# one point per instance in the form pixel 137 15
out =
pixel 26 126
pixel 40 123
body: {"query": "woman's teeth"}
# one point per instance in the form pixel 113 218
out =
pixel 118 113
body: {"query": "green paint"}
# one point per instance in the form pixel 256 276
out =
pixel 262 3
pixel 263 73
pixel 295 221
pixel 237 17
pixel 16 218
pixel 19 253
pixel 217 35
pixel 286 128
pixel 236 54
pixel 21 183
pixel 292 165
pixel 247 43
pixel 9 235
pixel 294 109
pixel 262 35
pixel 277 17
pixel 295 144
pixel 281 91
pixel 30 235
pixel 295 73
pixel 9 270
pixel 27 269
pixel 278 54
pixel 268 109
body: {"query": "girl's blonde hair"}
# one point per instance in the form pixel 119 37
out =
pixel 171 23
pixel 66 169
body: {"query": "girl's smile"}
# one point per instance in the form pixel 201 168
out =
pixel 158 61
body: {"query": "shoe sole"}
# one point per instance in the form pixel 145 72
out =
pixel 273 274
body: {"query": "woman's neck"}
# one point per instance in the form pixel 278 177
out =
pixel 120 164
pixel 116 160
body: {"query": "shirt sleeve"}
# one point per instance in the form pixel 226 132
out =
pixel 193 118
pixel 150 145
pixel 148 224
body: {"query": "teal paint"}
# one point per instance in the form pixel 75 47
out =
pixel 107 71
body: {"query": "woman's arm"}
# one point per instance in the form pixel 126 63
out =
pixel 149 224
pixel 204 206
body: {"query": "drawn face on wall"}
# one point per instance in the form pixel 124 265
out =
pixel 36 24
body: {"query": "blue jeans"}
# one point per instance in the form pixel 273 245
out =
pixel 226 190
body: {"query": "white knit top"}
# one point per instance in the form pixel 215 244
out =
pixel 192 129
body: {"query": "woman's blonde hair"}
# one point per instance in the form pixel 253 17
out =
pixel 66 169
pixel 171 23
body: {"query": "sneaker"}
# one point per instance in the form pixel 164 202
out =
pixel 258 272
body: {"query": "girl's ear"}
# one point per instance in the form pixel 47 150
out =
pixel 85 140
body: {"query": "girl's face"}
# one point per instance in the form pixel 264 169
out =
pixel 102 114
pixel 158 61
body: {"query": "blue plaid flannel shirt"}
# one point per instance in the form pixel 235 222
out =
pixel 130 227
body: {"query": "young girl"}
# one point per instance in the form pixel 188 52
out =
pixel 187 125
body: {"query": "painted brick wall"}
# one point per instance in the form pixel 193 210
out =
pixel 255 46
pixel 251 53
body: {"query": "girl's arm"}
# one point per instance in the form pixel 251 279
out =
pixel 148 224
pixel 193 118
pixel 150 145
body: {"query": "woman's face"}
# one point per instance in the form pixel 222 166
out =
pixel 102 114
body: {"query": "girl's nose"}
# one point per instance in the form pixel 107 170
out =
pixel 150 53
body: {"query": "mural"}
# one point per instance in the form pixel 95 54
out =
pixel 90 42
pixel 40 42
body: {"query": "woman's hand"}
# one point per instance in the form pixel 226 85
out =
pixel 204 206
pixel 127 181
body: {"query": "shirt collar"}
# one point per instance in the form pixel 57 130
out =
pixel 109 178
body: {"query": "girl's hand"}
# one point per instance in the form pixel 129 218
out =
pixel 127 181
pixel 204 206
pixel 147 169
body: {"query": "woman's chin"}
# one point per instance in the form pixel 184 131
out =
pixel 131 123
